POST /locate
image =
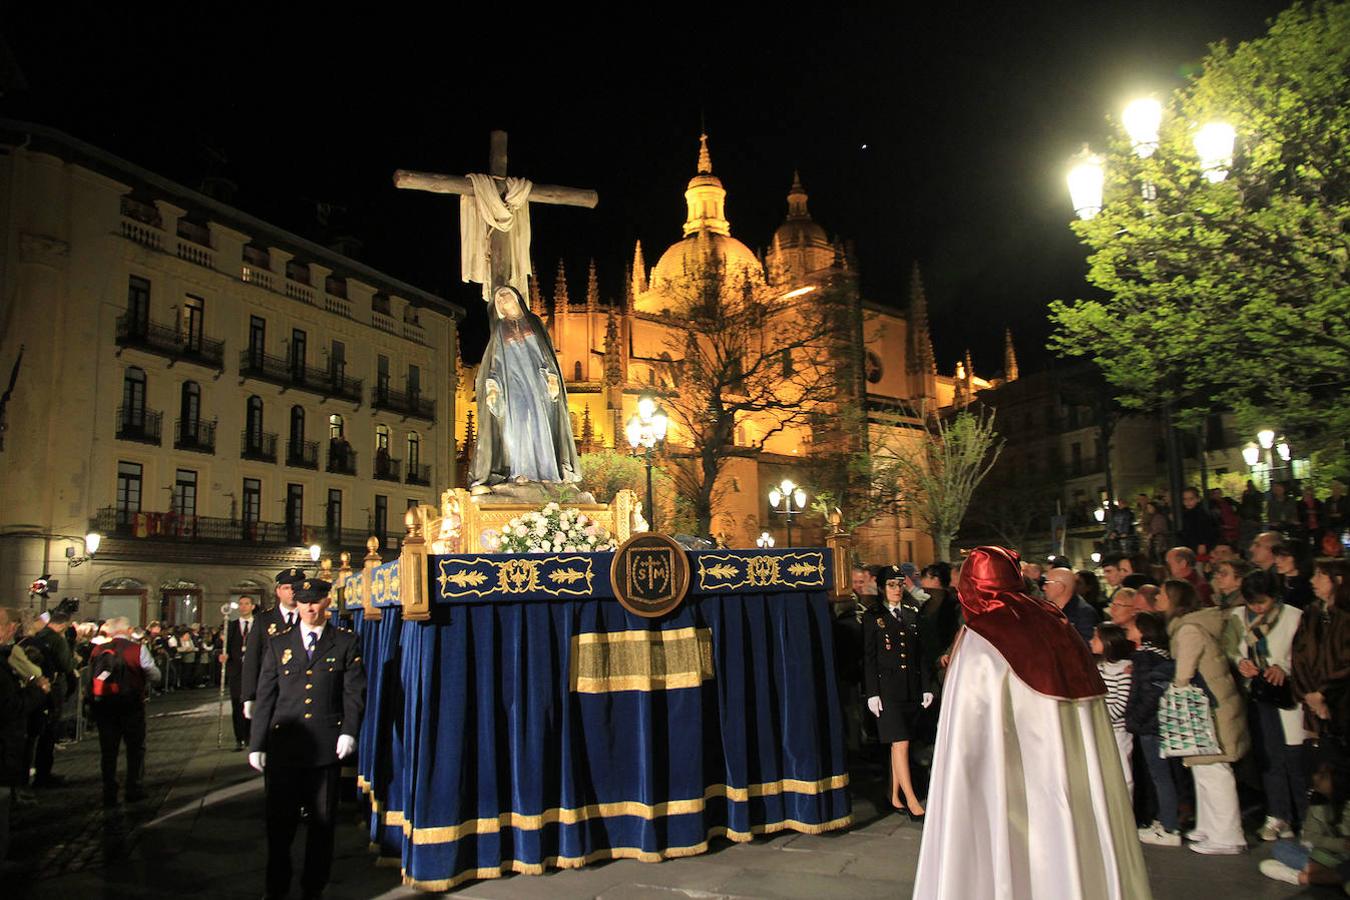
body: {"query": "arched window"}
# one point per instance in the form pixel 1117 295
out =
pixel 334 427
pixel 253 422
pixel 414 452
pixel 190 408
pixel 133 397
pixel 576 371
pixel 381 438
pixel 297 427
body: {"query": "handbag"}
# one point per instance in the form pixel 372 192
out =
pixel 1281 696
pixel 1186 723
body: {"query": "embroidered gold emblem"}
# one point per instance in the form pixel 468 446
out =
pixel 272 629
pixel 286 656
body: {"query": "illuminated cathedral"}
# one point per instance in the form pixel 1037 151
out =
pixel 612 351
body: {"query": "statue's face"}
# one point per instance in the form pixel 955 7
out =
pixel 507 305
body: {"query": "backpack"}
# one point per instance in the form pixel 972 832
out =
pixel 110 676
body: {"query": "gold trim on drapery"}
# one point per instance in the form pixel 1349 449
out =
pixel 446 834
pixel 641 660
pixel 576 862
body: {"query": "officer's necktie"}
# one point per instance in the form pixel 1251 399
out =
pixel 246 624
pixel 313 639
pixel 290 620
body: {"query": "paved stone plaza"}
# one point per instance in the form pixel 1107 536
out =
pixel 201 833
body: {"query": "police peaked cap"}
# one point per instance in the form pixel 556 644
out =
pixel 312 590
pixel 291 576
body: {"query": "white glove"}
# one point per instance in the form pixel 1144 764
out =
pixel 346 746
pixel 248 709
pixel 927 699
pixel 874 704
pixel 257 759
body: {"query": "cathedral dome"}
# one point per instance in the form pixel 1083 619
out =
pixel 800 230
pixel 707 241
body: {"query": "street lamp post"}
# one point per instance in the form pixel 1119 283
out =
pixel 1267 446
pixel 788 500
pixel 1213 141
pixel 647 429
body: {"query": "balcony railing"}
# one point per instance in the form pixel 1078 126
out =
pixel 170 342
pixel 195 435
pixel 172 526
pixel 142 425
pixel 293 374
pixel 302 454
pixel 341 458
pixel 387 468
pixel 419 474
pixel 258 445
pixel 409 404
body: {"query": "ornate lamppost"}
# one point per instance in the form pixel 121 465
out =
pixel 788 500
pixel 647 429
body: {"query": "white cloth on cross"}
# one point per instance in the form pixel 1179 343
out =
pixel 487 211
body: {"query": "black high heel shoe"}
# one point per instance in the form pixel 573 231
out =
pixel 915 817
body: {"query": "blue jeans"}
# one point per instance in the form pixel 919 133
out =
pixel 1160 771
pixel 1291 853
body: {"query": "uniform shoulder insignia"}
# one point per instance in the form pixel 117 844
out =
pixel 272 629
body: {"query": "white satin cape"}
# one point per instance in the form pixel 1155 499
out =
pixel 1028 799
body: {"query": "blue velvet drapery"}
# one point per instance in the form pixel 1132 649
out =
pixel 481 758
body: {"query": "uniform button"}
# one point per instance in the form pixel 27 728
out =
pixel 309 671
pixel 309 715
pixel 309 687
pixel 309 700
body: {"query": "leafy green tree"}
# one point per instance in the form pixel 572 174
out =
pixel 1233 292
pixel 936 476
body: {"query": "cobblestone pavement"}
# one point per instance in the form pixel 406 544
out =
pixel 200 833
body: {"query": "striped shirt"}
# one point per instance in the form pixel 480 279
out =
pixel 1117 678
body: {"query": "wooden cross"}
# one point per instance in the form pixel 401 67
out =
pixel 454 184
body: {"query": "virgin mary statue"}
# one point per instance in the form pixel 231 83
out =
pixel 525 433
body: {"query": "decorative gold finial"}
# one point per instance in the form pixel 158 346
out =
pixel 704 157
pixel 372 544
pixel 346 558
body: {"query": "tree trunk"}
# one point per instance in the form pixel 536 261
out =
pixel 942 547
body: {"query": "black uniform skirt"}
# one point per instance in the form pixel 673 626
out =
pixel 898 721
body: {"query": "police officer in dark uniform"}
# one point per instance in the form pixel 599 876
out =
pixel 282 615
pixel 307 715
pixel 897 678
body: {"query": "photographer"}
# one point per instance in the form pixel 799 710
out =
pixel 58 665
pixel 1263 657
pixel 20 696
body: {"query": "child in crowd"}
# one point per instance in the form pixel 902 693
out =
pixel 1323 849
pixel 1153 670
pixel 1113 649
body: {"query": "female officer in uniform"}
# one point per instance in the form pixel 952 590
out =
pixel 896 678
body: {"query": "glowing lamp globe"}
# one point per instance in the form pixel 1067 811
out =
pixel 1214 145
pixel 91 542
pixel 314 552
pixel 1087 176
pixel 1251 454
pixel 1142 119
pixel 1266 438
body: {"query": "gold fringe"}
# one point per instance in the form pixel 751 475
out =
pixel 445 834
pixel 509 866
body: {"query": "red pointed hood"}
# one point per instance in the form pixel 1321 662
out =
pixel 1033 635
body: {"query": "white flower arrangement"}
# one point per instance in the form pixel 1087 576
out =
pixel 552 529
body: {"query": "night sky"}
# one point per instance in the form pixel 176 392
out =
pixel 933 136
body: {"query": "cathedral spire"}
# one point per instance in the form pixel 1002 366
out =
pixel 639 271
pixel 1009 357
pixel 920 358
pixel 592 288
pixel 536 295
pixel 797 196
pixel 704 157
pixel 705 197
pixel 970 366
pixel 560 300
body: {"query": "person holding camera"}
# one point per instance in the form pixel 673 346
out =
pixel 21 694
pixel 1264 658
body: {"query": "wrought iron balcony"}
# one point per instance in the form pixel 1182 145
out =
pixel 387 468
pixel 409 404
pixel 302 454
pixel 194 435
pixel 170 342
pixel 258 445
pixel 290 373
pixel 172 526
pixel 420 474
pixel 341 458
pixel 139 424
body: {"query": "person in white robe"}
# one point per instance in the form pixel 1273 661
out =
pixel 1028 798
